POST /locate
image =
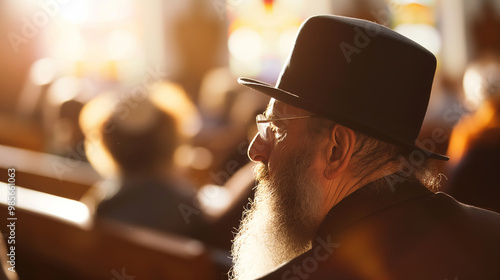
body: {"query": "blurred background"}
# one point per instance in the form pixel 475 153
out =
pixel 128 131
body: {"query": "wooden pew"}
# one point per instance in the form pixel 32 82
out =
pixel 56 239
pixel 61 176
pixel 21 131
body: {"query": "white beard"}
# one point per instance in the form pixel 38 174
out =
pixel 282 219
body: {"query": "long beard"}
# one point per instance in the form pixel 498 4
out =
pixel 282 219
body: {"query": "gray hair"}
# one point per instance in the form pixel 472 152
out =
pixel 372 154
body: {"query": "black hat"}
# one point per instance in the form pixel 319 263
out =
pixel 360 74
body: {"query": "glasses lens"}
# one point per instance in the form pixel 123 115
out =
pixel 262 127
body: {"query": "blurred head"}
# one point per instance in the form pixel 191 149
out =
pixel 62 127
pixel 142 139
pixel 137 134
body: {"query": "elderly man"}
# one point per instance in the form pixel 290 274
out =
pixel 343 188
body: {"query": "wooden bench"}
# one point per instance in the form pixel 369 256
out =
pixel 61 176
pixel 21 131
pixel 56 239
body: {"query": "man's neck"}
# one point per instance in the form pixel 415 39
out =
pixel 346 184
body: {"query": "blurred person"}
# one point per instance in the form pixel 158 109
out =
pixel 475 140
pixel 62 132
pixel 65 99
pixel 199 38
pixel 344 191
pixel 485 26
pixel 141 137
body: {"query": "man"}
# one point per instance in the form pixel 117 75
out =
pixel 139 138
pixel 341 190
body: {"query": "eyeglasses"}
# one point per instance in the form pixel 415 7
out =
pixel 264 123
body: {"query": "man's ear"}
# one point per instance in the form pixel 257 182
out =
pixel 340 149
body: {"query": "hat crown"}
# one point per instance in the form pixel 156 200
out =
pixel 361 74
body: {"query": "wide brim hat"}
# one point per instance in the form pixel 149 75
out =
pixel 359 74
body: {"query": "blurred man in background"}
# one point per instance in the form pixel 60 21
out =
pixel 475 141
pixel 139 137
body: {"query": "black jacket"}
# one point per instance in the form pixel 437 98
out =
pixel 400 231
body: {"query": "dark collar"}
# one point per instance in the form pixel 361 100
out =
pixel 369 199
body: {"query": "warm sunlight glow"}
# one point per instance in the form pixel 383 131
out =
pixel 93 115
pixel 64 89
pixel 245 44
pixel 199 158
pixel 76 11
pixel 43 203
pixel 423 34
pixel 43 71
pixel 473 87
pixel 172 98
pixel 214 198
pixel 121 44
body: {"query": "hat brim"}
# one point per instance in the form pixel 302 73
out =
pixel 294 100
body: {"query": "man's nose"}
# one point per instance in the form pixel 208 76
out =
pixel 259 150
